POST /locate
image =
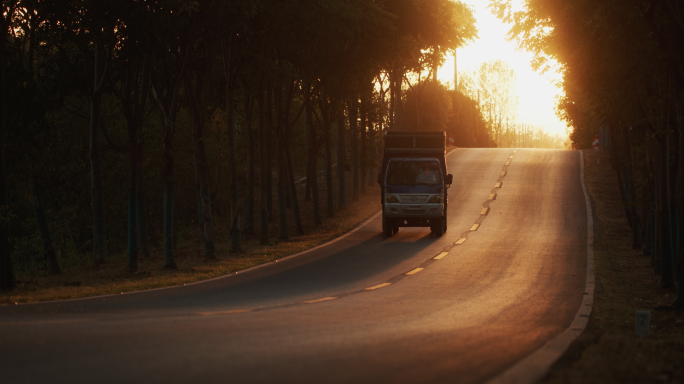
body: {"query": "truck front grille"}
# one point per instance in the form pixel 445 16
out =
pixel 417 199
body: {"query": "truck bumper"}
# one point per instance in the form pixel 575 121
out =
pixel 413 211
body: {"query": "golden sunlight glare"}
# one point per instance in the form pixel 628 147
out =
pixel 537 92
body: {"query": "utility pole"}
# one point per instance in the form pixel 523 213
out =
pixel 507 129
pixel 499 131
pixel 456 74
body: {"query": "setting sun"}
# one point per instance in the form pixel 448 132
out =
pixel 537 92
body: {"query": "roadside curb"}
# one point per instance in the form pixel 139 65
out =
pixel 535 367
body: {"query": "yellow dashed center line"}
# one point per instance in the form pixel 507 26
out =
pixel 412 272
pixel 373 288
pixel 223 312
pixel 319 300
pixel 441 255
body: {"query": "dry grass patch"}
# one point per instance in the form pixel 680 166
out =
pixel 626 283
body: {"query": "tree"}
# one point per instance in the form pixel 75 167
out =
pixel 497 85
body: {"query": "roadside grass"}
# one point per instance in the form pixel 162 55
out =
pixel 80 278
pixel 626 282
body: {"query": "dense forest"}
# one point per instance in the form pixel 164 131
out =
pixel 623 77
pixel 121 122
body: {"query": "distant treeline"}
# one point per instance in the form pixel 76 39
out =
pixel 121 121
pixel 623 76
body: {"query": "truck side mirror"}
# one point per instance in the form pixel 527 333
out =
pixel 449 179
pixel 381 178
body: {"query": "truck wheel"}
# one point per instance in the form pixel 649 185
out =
pixel 439 227
pixel 386 226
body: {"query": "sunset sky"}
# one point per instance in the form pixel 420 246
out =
pixel 536 92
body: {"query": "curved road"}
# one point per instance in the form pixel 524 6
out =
pixel 512 285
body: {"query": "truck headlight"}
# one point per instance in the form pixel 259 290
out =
pixel 391 199
pixel 436 199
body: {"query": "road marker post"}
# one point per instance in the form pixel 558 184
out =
pixel 643 323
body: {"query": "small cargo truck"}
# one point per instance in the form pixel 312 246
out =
pixel 413 181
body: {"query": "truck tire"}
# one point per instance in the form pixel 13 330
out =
pixel 438 227
pixel 387 226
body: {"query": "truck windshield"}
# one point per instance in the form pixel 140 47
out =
pixel 413 172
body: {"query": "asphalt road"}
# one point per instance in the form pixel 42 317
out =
pixel 513 284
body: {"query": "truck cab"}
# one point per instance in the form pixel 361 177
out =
pixel 413 181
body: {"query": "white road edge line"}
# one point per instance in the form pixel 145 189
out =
pixel 227 275
pixel 534 367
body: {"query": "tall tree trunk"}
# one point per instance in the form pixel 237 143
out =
pixel 393 100
pixel 399 105
pixel 296 216
pixel 263 168
pixel 673 155
pixel 195 96
pixel 282 204
pixel 309 146
pixel 132 198
pixel 679 303
pixel 362 128
pixel 204 195
pixel 328 170
pixel 370 155
pixel 169 197
pixel 133 95
pixel 249 188
pixel 667 262
pixel 99 234
pixel 269 175
pixel 141 216
pixel 341 162
pixel 623 165
pixel 313 159
pixel 235 232
pixel 48 246
pixel 353 132
pixel 167 106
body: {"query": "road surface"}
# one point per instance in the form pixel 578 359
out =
pixel 513 284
